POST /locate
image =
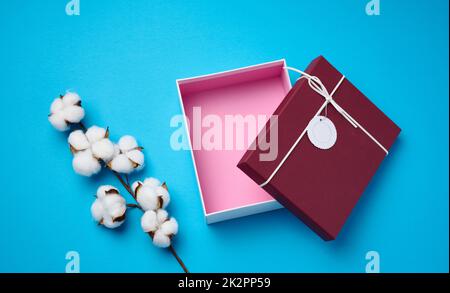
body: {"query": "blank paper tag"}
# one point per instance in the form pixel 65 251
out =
pixel 322 132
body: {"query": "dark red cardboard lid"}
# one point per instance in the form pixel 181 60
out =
pixel 321 187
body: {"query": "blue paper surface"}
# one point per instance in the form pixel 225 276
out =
pixel 123 58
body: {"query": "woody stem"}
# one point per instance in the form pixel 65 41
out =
pixel 132 205
pixel 130 191
pixel 127 187
pixel 172 250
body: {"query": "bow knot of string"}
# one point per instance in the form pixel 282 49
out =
pixel 316 84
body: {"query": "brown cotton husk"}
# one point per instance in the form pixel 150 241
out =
pixel 119 219
pixel 160 202
pixel 135 165
pixel 73 150
pixel 112 191
pixel 139 185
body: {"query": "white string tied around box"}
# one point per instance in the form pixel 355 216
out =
pixel 316 84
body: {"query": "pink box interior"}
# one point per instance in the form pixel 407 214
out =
pixel 252 90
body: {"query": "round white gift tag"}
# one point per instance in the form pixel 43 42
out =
pixel 322 132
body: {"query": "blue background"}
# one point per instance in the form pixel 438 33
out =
pixel 123 58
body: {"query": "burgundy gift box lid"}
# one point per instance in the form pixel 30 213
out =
pixel 321 187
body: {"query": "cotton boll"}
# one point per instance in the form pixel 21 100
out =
pixel 95 133
pixel 103 149
pixel 121 164
pixel 106 189
pixel 128 157
pixel 164 194
pixel 160 239
pixel 149 221
pixel 97 210
pixel 65 110
pixel 137 157
pixel 127 143
pixel 161 229
pixel 150 194
pixel 78 140
pixel 70 99
pixel 85 164
pixel 109 208
pixel 147 198
pixel 58 121
pixel 73 114
pixel 170 227
pixel 100 149
pixel 152 182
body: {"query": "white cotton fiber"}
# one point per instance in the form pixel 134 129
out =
pixel 161 240
pixel 117 210
pixel 127 143
pixel 152 182
pixel 162 215
pixel 114 205
pixel 97 210
pixel 85 164
pixel 70 99
pixel 78 140
pixel 136 156
pixel 149 222
pixel 73 114
pixel 121 164
pixel 111 200
pixel 147 198
pixel 116 150
pixel 170 227
pixel 56 106
pixel 58 121
pixel 95 133
pixel 103 149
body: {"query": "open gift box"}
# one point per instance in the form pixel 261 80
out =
pixel 226 192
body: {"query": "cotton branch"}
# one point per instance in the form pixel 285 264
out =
pixel 92 150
